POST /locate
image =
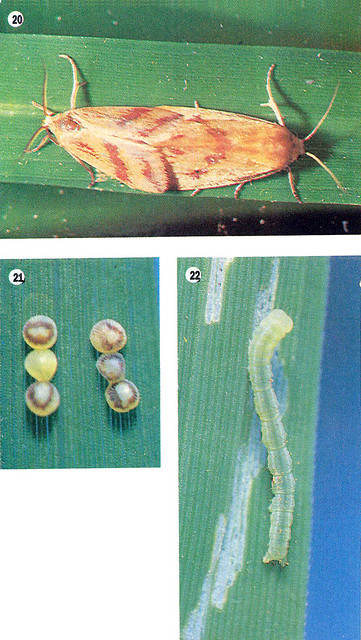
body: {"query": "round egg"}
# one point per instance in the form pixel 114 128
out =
pixel 41 364
pixel 122 396
pixel 40 332
pixel 108 336
pixel 42 398
pixel 111 366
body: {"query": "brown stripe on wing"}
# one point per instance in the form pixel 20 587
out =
pixel 121 171
pixel 129 114
pixel 140 166
pixel 202 147
pixel 155 173
pixel 133 123
pixel 159 118
pixel 87 149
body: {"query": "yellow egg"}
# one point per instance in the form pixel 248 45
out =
pixel 122 396
pixel 108 336
pixel 111 366
pixel 42 398
pixel 40 332
pixel 41 364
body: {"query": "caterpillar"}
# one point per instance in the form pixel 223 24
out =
pixel 265 339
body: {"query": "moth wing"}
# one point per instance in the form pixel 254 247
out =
pixel 139 165
pixel 209 148
pixel 130 123
pixel 133 163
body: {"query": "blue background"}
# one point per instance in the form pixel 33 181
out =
pixel 334 582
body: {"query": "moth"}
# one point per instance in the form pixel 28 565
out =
pixel 265 339
pixel 156 149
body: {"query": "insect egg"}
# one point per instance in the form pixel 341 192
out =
pixel 108 336
pixel 40 332
pixel 42 398
pixel 111 366
pixel 122 396
pixel 41 364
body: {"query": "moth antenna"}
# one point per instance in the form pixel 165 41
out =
pixel 37 105
pixel 76 83
pixel 322 164
pixel 43 107
pixel 45 86
pixel 271 101
pixel 324 115
pixel 40 106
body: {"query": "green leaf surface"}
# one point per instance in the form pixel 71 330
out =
pixel 139 73
pixel 216 415
pixel 84 431
pixel 302 24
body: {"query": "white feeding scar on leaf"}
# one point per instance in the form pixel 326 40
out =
pixel 230 562
pixel 265 301
pixel 196 624
pixel 215 289
pixel 231 530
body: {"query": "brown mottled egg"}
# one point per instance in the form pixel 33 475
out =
pixel 40 332
pixel 42 398
pixel 122 396
pixel 41 364
pixel 108 336
pixel 111 366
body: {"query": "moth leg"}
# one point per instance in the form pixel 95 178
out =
pixel 194 193
pixel 87 167
pixel 76 83
pixel 42 143
pixel 292 185
pixel 27 148
pixel 238 188
pixel 259 177
pixel 271 101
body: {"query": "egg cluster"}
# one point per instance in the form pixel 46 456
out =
pixel 40 333
pixel 108 337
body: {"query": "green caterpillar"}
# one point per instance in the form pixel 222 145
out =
pixel 265 339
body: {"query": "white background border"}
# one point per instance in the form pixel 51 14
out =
pixel 94 553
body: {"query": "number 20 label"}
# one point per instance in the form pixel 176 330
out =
pixel 15 19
